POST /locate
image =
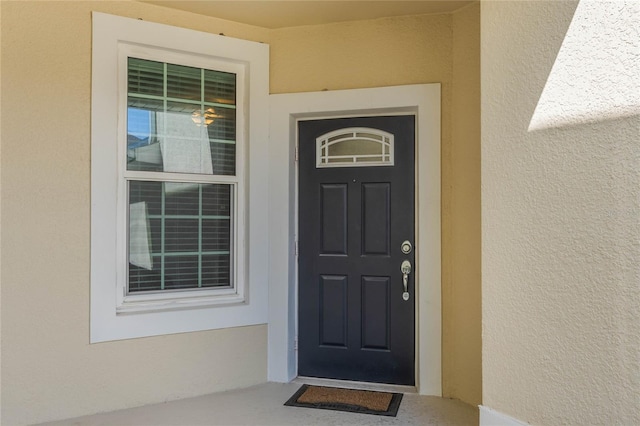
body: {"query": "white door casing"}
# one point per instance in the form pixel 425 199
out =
pixel 285 109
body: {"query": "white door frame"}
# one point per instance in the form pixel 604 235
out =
pixel 285 110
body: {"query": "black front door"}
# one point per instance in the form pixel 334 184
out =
pixel 356 209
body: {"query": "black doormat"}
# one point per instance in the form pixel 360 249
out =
pixel 350 400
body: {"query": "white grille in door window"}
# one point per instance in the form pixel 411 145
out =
pixel 354 147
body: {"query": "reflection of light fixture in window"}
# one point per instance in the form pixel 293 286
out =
pixel 204 119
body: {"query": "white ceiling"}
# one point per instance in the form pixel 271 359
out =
pixel 280 14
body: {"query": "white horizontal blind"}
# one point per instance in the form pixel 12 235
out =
pixel 185 237
pixel 180 119
pixel 168 106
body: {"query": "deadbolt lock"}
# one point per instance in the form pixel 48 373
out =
pixel 406 247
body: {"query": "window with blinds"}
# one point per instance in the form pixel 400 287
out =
pixel 171 134
pixel 180 170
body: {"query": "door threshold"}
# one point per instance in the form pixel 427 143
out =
pixel 379 387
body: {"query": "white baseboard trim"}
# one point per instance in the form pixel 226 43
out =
pixel 489 417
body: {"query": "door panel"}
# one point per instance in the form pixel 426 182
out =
pixel 333 199
pixel 375 313
pixel 376 209
pixel 333 310
pixel 353 321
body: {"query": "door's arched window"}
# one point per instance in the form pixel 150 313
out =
pixel 354 147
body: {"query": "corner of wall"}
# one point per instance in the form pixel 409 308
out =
pixel 462 345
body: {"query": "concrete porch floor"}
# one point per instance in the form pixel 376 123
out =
pixel 263 405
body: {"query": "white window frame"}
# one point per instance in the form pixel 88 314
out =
pixel 114 313
pixel 167 299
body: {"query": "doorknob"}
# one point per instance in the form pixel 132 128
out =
pixel 405 268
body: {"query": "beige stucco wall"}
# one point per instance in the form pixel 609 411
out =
pixel 461 290
pixel 560 233
pixel 373 53
pixel 49 369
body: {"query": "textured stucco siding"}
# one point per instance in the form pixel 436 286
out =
pixel 560 238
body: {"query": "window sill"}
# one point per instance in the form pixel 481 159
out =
pixel 137 304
